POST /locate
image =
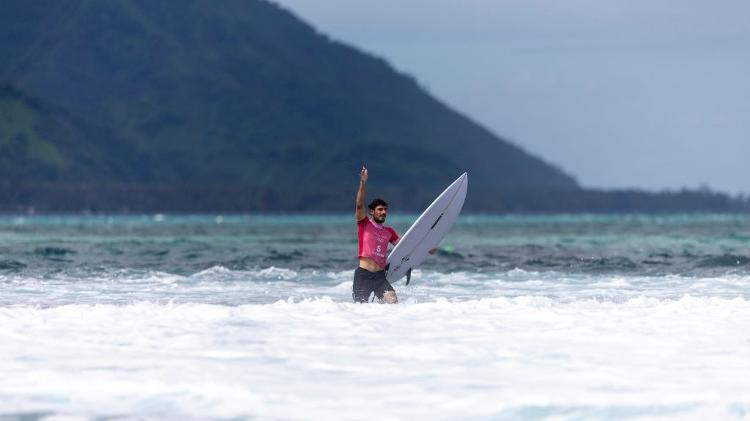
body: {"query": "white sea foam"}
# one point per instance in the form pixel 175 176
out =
pixel 516 357
pixel 220 285
pixel 278 343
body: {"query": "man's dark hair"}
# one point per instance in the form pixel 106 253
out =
pixel 377 202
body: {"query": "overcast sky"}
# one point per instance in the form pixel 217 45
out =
pixel 631 93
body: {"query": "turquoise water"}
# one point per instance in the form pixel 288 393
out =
pixel 656 245
pixel 517 317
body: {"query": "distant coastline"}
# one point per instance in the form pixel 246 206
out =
pixel 53 197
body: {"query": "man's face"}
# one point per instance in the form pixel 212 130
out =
pixel 379 213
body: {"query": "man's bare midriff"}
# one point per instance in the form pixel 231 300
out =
pixel 369 264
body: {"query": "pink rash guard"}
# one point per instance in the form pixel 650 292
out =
pixel 374 239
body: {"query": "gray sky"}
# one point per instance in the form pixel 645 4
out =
pixel 629 93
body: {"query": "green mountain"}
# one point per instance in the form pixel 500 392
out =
pixel 233 93
pixel 38 143
pixel 237 105
pixel 30 136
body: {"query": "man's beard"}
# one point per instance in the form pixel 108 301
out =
pixel 379 220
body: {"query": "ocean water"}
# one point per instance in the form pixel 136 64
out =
pixel 250 317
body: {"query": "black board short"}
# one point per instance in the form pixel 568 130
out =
pixel 366 282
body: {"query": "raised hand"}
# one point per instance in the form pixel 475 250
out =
pixel 360 209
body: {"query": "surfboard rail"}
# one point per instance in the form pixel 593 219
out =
pixel 427 231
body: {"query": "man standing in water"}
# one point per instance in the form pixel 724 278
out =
pixel 373 237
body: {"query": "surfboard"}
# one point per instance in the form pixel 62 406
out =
pixel 427 231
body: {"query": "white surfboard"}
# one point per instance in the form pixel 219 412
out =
pixel 427 232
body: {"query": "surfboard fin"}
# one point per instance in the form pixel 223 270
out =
pixel 408 276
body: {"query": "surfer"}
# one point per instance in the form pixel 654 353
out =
pixel 369 277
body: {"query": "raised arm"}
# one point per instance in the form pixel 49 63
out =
pixel 360 206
